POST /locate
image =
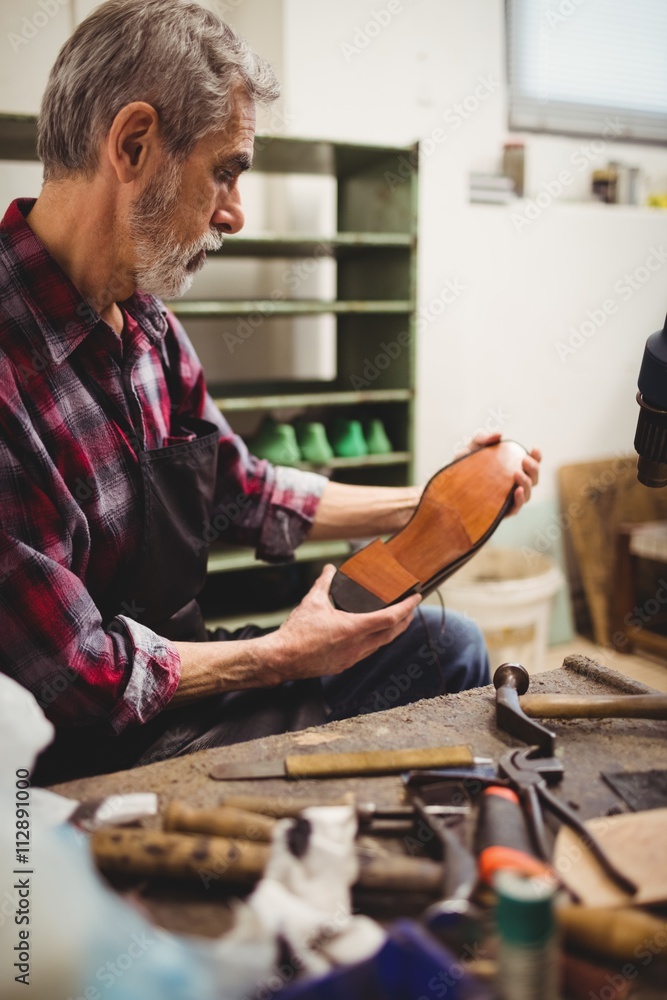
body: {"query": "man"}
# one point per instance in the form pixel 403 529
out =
pixel 113 456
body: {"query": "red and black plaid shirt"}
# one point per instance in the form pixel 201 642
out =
pixel 71 506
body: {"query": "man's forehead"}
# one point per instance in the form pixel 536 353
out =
pixel 235 141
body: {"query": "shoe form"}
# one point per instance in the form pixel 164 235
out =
pixel 276 443
pixel 376 438
pixel 313 442
pixel 347 439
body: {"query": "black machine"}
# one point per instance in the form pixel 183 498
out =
pixel 651 434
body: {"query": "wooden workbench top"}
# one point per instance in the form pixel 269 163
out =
pixel 586 746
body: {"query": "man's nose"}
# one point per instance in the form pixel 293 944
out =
pixel 229 217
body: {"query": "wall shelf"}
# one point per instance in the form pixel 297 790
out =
pixel 282 307
pixel 304 399
pixel 265 619
pixel 222 559
pixel 296 245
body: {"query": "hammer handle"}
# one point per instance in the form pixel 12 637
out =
pixel 565 706
pixel 180 855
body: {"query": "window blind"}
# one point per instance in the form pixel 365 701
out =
pixel 576 65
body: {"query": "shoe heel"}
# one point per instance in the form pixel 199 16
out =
pixel 374 577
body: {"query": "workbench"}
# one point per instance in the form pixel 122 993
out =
pixel 587 747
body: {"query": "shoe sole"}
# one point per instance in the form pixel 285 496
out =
pixel 460 508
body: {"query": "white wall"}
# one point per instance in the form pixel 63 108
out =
pixel 494 348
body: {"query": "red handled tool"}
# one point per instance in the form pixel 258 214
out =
pixel 502 838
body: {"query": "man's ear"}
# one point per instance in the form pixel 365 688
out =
pixel 133 140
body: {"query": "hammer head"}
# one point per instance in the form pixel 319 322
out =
pixel 512 675
pixel 511 680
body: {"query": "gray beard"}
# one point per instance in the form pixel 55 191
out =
pixel 165 266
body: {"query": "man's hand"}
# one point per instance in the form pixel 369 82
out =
pixel 318 639
pixel 525 479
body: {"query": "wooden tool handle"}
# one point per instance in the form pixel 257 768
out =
pixel 225 821
pixel 282 805
pixel 398 873
pixel 337 765
pixel 565 706
pixel 623 934
pixel 177 855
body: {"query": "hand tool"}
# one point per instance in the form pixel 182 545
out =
pixel 257 817
pixel 565 706
pixel 502 839
pixel 472 779
pixel 290 805
pixel 340 765
pixel 181 855
pixel 510 680
pixel 529 775
pixel 225 821
pixel 444 808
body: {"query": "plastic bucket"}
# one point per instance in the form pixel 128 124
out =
pixel 509 595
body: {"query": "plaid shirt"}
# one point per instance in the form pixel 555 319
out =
pixel 71 504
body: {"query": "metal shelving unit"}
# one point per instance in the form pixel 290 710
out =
pixel 374 248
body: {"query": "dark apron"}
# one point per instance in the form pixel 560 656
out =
pixel 160 591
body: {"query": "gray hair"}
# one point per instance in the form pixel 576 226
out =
pixel 173 54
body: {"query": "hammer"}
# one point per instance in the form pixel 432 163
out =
pixel 514 714
pixel 511 680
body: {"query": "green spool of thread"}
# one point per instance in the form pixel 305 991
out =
pixel 528 947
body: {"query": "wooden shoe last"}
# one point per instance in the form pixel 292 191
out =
pixel 460 508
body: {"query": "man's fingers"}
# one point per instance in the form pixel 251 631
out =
pixel 482 438
pixel 388 618
pixel 327 575
pixel 531 467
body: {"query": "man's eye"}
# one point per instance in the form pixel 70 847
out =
pixel 224 176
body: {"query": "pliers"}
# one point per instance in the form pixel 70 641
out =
pixel 529 776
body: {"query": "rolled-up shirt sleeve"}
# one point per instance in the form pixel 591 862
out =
pixel 54 645
pixel 270 508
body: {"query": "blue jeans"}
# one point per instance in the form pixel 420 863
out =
pixel 425 661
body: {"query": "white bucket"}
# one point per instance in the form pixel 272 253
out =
pixel 509 595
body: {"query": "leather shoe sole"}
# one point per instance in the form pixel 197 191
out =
pixel 460 508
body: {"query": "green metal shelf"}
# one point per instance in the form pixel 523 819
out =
pixel 302 399
pixel 359 461
pixel 221 560
pixel 304 245
pixel 199 308
pixel 265 619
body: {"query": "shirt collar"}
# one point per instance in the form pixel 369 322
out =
pixel 62 315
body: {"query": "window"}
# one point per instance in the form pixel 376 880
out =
pixel 575 65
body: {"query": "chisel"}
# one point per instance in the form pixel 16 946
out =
pixel 342 765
